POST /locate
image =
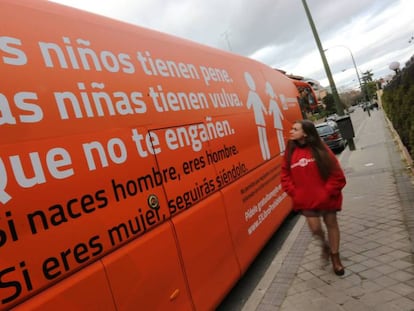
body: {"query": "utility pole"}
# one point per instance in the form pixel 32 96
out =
pixel 338 104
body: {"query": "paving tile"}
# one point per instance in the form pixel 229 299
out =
pixel 356 305
pixel 410 296
pixel 357 268
pixel 373 253
pixel 371 262
pixel 379 298
pixel 401 276
pixel 384 249
pixel 410 282
pixel 400 304
pixel 334 295
pixel 385 268
pixel 297 289
pixel 370 286
pixel 286 306
pixel 370 274
pixel 401 264
pixel 385 258
pixel 265 307
pixel 386 281
pixel 305 276
pixel 402 289
pixel 398 254
pixel 358 258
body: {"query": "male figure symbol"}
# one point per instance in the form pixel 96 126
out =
pixel 254 102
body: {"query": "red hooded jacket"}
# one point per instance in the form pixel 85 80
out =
pixel 303 183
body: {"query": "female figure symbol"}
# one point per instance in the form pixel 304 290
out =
pixel 254 102
pixel 277 117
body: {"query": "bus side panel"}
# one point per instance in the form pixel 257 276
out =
pixel 207 251
pixel 86 290
pixel 81 176
pixel 146 274
pixel 74 221
pixel 188 161
pixel 235 156
pixel 255 206
pixel 254 200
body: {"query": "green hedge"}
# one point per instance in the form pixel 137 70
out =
pixel 398 103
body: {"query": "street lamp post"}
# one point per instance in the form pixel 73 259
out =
pixel 226 37
pixel 355 66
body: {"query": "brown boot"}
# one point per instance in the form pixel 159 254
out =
pixel 338 268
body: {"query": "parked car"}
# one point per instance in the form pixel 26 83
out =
pixel 367 106
pixel 331 135
pixel 351 109
pixel 371 106
pixel 332 117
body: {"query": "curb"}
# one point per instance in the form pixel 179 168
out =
pixel 260 290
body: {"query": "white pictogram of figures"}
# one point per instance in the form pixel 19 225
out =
pixel 259 110
pixel 277 117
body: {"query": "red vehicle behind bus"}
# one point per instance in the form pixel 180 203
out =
pixel 307 98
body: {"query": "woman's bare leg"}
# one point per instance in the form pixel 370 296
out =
pixel 332 227
pixel 315 225
pixel 331 223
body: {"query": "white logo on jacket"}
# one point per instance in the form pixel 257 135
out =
pixel 302 162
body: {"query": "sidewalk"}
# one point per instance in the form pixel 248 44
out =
pixel 377 235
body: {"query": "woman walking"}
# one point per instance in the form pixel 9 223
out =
pixel 313 178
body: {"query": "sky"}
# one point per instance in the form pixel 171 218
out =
pixel 370 33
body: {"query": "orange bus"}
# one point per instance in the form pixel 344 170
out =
pixel 138 170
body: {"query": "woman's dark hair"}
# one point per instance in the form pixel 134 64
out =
pixel 319 149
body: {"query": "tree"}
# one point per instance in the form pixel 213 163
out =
pixel 329 103
pixel 367 76
pixel 369 86
pixel 350 98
